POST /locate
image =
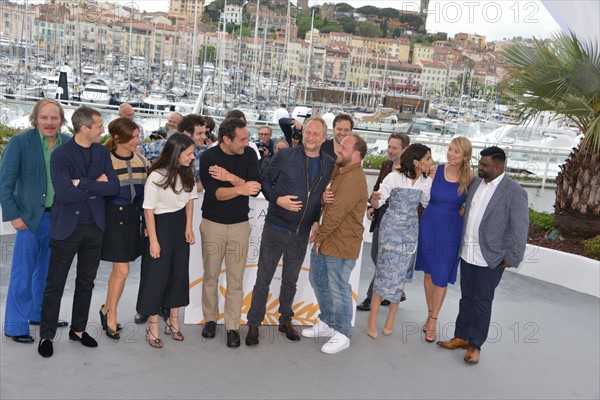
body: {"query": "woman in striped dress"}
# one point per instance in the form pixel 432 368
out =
pixel 123 235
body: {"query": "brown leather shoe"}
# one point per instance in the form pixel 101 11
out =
pixel 290 331
pixel 472 356
pixel 453 343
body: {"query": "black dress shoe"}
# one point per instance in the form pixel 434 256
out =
pixel 210 330
pixel 21 338
pixel 140 319
pixel 233 338
pixel 403 297
pixel 61 323
pixel 252 336
pixel 45 348
pixel 290 331
pixel 385 302
pixel 365 305
pixel 85 339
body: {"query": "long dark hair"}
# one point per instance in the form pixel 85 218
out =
pixel 415 151
pixel 169 161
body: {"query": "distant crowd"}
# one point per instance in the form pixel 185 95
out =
pixel 70 196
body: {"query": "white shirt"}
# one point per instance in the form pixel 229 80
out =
pixel 396 179
pixel 165 200
pixel 471 252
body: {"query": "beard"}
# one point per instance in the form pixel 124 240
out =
pixel 341 161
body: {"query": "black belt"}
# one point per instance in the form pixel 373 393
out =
pixel 48 209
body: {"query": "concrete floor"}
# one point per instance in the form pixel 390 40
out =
pixel 543 345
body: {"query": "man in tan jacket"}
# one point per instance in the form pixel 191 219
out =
pixel 337 246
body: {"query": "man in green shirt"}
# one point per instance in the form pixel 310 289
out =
pixel 26 197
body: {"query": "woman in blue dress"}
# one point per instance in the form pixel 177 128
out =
pixel 403 190
pixel 441 228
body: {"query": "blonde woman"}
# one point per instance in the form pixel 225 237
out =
pixel 441 228
pixel 123 235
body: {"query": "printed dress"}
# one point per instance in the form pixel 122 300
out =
pixel 398 233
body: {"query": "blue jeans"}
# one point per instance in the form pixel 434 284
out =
pixel 27 278
pixel 274 245
pixel 330 280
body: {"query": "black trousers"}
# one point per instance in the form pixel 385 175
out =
pixel 165 281
pixel 477 287
pixel 86 243
pixel 273 245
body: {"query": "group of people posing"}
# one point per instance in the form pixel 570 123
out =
pixel 70 197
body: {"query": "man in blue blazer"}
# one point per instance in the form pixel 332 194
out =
pixel 26 196
pixel 82 174
pixel 494 238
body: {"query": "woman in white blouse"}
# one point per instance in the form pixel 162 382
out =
pixel 403 190
pixel 168 209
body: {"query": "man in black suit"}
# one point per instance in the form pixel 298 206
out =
pixel 82 174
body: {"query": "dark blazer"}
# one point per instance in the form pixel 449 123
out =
pixel 505 223
pixel 23 179
pixel 286 175
pixel 67 163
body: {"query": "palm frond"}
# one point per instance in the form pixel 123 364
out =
pixel 563 77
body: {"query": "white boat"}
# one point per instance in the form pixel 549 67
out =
pixel 96 91
pixel 22 91
pixel 384 120
pixel 161 101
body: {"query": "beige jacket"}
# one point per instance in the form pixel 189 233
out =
pixel 341 232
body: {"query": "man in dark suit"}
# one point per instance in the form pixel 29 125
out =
pixel 82 175
pixel 494 238
pixel 26 195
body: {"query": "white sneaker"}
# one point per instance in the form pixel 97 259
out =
pixel 336 343
pixel 320 329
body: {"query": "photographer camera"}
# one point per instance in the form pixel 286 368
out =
pixel 265 143
pixel 292 127
pixel 296 136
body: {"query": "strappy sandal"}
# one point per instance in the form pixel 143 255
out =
pixel 426 324
pixel 430 337
pixel 175 334
pixel 154 341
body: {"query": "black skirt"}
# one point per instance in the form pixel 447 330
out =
pixel 123 233
pixel 165 281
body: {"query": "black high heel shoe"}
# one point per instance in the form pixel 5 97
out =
pixel 104 322
pixel 112 334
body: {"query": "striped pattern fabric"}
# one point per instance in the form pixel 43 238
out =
pixel 132 173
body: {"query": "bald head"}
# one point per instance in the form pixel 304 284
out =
pixel 126 111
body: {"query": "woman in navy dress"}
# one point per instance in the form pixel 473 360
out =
pixel 441 228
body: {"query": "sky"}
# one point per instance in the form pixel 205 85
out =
pixel 496 20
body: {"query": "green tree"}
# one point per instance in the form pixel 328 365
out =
pixel 414 21
pixel 213 10
pixel 331 26
pixel 344 7
pixel 367 29
pixel 348 24
pixel 389 13
pixel 211 53
pixel 564 78
pixel 368 10
pixel 384 28
pixel 304 25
